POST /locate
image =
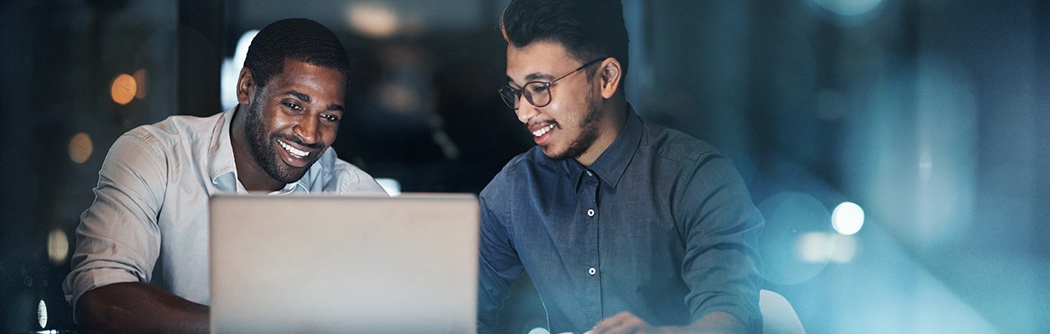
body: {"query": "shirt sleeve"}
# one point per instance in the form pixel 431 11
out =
pixel 118 239
pixel 348 179
pixel 499 264
pixel 722 228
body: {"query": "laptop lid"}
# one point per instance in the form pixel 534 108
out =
pixel 328 263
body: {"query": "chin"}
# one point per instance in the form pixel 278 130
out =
pixel 550 153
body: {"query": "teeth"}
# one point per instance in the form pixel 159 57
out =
pixel 542 131
pixel 297 153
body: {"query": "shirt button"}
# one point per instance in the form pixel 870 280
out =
pixel 589 173
pixel 592 271
pixel 590 212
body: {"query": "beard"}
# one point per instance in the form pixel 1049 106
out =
pixel 263 147
pixel 588 131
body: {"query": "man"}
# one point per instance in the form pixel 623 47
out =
pixel 141 262
pixel 624 226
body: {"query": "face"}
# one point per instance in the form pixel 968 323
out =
pixel 569 125
pixel 293 119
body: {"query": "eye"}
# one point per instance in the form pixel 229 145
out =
pixel 293 106
pixel 330 117
pixel 538 88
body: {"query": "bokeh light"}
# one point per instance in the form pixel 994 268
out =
pixel 848 7
pixel 792 246
pixel 847 218
pixel 80 148
pixel 821 247
pixel 41 314
pixel 141 77
pixel 539 330
pixel 231 69
pixel 373 19
pixel 57 246
pixel 123 89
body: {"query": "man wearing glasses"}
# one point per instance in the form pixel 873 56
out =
pixel 624 226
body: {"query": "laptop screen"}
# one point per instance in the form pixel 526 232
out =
pixel 326 263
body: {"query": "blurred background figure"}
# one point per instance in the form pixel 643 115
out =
pixel 897 148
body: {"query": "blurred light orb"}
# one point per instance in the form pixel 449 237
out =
pixel 794 246
pixel 375 20
pixel 241 51
pixel 848 7
pixel 41 314
pixel 231 69
pixel 141 76
pixel 843 248
pixel 57 246
pixel 847 218
pixel 820 247
pixel 123 89
pixel 813 247
pixel 80 148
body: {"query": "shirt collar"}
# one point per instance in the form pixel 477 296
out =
pixel 221 165
pixel 612 163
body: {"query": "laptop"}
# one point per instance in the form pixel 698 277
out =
pixel 344 264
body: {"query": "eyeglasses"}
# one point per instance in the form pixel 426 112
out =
pixel 537 92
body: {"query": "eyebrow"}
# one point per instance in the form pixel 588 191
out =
pixel 537 75
pixel 306 98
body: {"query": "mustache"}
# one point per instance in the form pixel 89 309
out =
pixel 297 140
pixel 545 123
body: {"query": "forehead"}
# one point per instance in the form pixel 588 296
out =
pixel 319 80
pixel 541 59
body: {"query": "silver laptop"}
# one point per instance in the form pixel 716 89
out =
pixel 344 264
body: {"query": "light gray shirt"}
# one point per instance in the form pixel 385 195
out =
pixel 149 220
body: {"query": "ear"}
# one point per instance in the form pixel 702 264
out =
pixel 610 75
pixel 245 86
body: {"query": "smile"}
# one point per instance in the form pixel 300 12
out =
pixel 298 154
pixel 543 130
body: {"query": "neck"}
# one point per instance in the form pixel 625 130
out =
pixel 609 127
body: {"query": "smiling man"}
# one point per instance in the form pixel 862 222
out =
pixel 141 261
pixel 623 225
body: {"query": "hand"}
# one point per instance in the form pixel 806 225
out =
pixel 624 322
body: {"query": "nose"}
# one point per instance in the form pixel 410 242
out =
pixel 525 109
pixel 307 129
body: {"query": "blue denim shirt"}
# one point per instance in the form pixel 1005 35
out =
pixel 660 225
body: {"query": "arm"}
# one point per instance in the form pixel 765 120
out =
pixel 134 307
pixel 721 227
pixel 499 266
pixel 118 243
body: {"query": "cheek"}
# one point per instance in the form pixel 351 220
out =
pixel 330 134
pixel 277 121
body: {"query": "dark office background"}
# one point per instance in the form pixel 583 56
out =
pixel 930 115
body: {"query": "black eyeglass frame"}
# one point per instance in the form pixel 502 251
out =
pixel 516 94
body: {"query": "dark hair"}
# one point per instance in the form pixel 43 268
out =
pixel 587 28
pixel 297 39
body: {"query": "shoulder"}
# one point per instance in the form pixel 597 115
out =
pixel 174 130
pixel 347 178
pixel 521 167
pixel 675 145
pixel 514 179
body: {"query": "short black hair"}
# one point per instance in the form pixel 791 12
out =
pixel 587 28
pixel 297 39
